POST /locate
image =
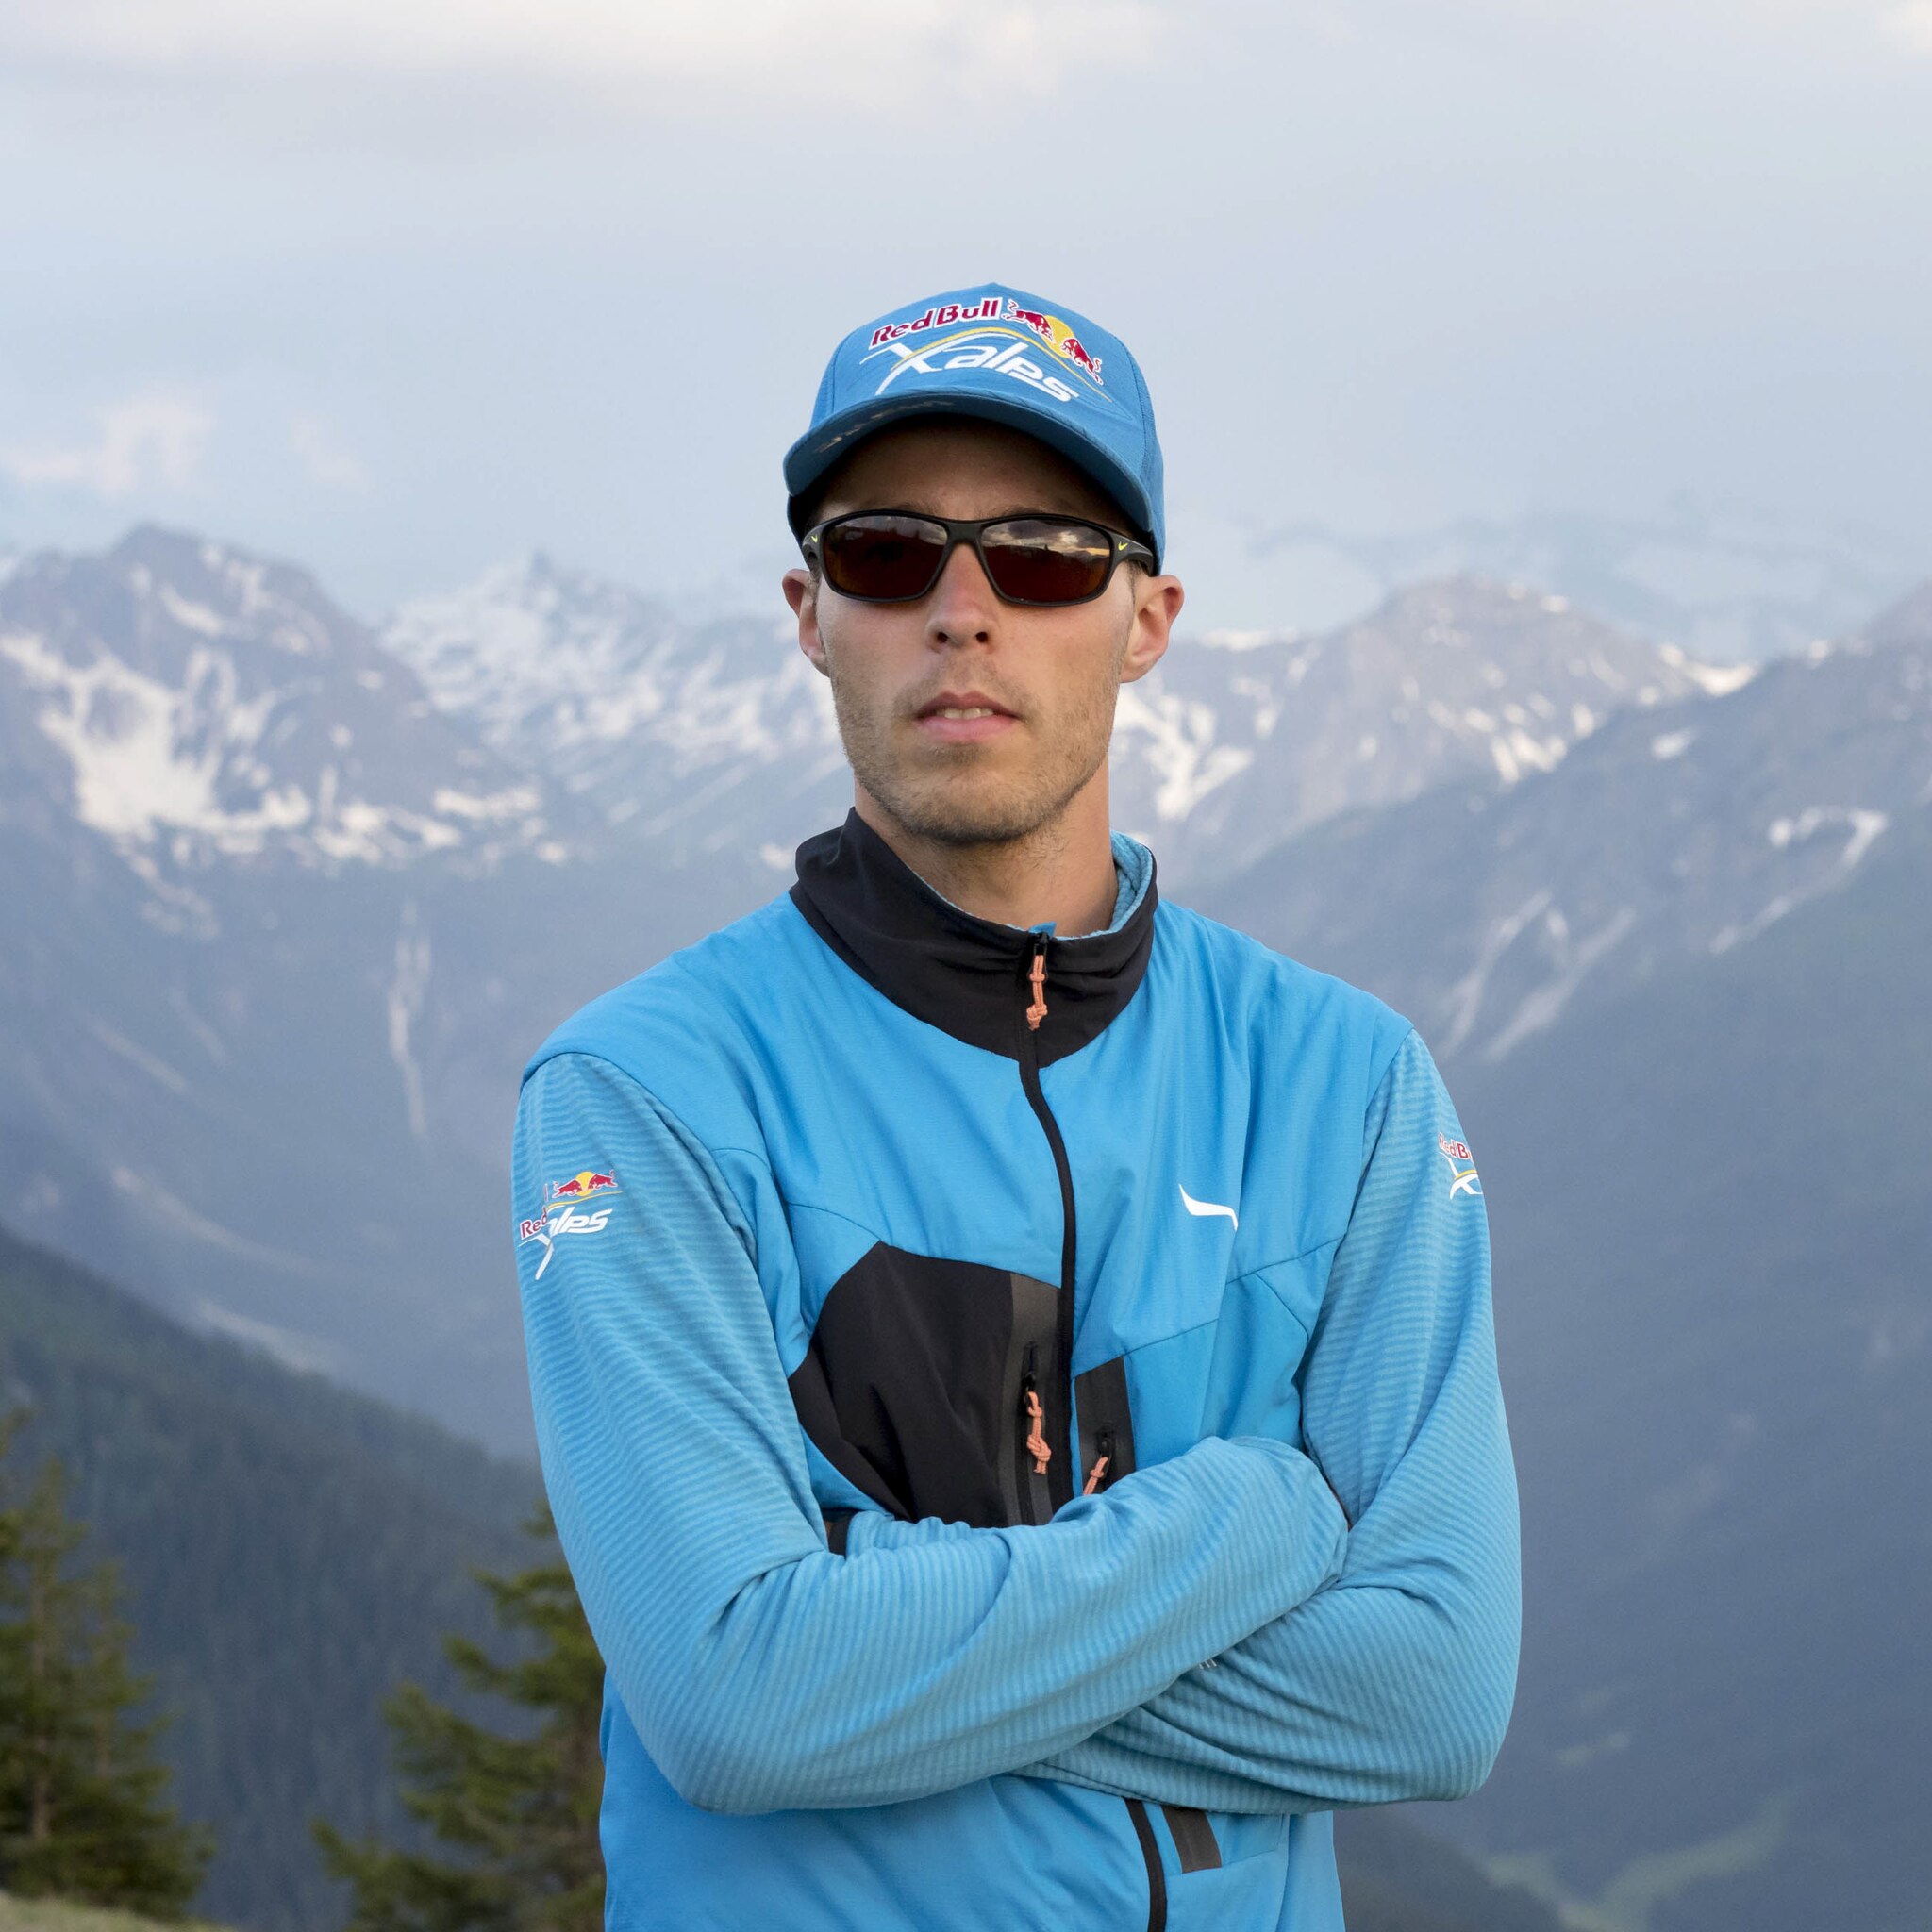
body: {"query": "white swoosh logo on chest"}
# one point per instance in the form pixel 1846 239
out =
pixel 1194 1207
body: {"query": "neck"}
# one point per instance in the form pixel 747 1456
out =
pixel 1061 872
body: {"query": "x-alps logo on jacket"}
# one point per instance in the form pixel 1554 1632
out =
pixel 562 1214
pixel 1462 1178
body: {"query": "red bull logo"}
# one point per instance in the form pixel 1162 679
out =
pixel 946 315
pixel 580 1187
pixel 1462 1180
pixel 1056 335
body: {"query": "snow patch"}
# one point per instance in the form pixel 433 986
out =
pixel 1548 1000
pixel 490 804
pixel 1225 640
pixel 178 1214
pixel 1862 827
pixel 405 995
pixel 191 616
pixel 1713 680
pixel 1466 995
pixel 1177 741
pixel 156 1070
pixel 131 739
pixel 306 1354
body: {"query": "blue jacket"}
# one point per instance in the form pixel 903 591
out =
pixel 1020 1411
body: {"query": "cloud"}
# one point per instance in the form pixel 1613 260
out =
pixel 861 48
pixel 1911 24
pixel 325 456
pixel 150 438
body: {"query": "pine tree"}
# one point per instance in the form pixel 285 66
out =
pixel 519 1811
pixel 81 1814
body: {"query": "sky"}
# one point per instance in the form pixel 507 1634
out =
pixel 402 288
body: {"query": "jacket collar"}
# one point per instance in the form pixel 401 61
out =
pixel 969 976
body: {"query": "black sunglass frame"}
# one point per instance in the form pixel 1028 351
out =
pixel 1120 550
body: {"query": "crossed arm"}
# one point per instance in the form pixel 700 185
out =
pixel 1393 1681
pixel 762 1673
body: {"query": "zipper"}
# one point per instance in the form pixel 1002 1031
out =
pixel 1103 1461
pixel 1054 1422
pixel 1033 1452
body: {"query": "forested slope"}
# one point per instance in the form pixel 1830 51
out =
pixel 289 1551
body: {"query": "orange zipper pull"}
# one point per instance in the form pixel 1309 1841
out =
pixel 1095 1475
pixel 1037 973
pixel 1037 1445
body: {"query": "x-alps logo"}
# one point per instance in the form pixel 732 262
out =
pixel 564 1213
pixel 1461 1161
pixel 996 335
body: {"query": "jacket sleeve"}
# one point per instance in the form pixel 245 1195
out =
pixel 1395 1680
pixel 762 1672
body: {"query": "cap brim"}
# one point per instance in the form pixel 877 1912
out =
pixel 814 453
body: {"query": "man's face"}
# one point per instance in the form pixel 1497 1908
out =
pixel 1046 679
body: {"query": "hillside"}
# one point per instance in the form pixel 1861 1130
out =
pixel 289 1550
pixel 1713 1236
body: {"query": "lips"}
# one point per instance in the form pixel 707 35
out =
pixel 962 702
pixel 963 716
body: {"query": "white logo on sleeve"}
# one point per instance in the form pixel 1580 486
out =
pixel 1194 1207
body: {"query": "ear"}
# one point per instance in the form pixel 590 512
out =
pixel 1156 604
pixel 801 592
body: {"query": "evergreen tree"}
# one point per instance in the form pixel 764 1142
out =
pixel 519 1811
pixel 80 1792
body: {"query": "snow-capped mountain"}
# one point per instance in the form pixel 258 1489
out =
pixel 701 740
pixel 1233 744
pixel 192 705
pixel 719 739
pixel 1684 830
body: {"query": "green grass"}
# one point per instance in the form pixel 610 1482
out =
pixel 56 1915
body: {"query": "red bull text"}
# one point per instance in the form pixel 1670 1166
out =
pixel 944 316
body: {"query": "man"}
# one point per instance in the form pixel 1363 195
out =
pixel 1012 1359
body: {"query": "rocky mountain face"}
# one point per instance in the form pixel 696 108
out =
pixel 718 740
pixel 1224 752
pixel 703 742
pixel 1711 1238
pixel 192 708
pixel 1677 831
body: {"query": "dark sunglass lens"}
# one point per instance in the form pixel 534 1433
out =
pixel 1041 562
pixel 884 558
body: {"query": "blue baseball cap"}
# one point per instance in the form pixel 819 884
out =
pixel 1005 355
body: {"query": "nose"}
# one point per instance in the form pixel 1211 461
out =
pixel 962 608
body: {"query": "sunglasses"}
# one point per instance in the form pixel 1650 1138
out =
pixel 893 557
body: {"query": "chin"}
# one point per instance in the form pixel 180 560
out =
pixel 967 813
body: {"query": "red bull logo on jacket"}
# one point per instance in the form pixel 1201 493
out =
pixel 1462 1180
pixel 562 1213
pixel 580 1187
